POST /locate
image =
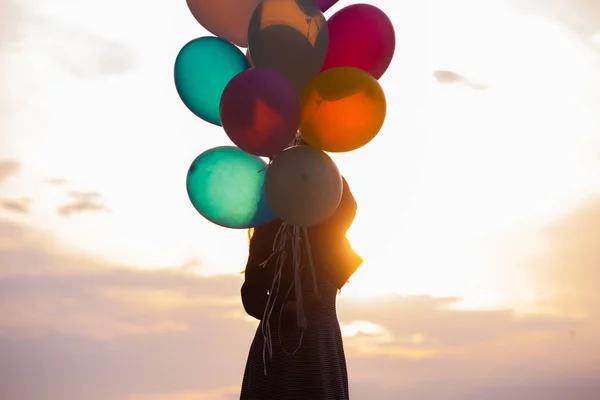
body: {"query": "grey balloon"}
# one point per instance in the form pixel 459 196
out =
pixel 290 36
pixel 303 186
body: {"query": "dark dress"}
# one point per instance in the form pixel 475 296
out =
pixel 306 364
pixel 317 371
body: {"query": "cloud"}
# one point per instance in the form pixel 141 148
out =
pixel 9 20
pixel 581 16
pixel 72 327
pixel 440 327
pixel 116 331
pixel 226 393
pixel 83 202
pixel 451 77
pixel 569 270
pixel 61 43
pixel 18 206
pixel 83 54
pixel 57 181
pixel 8 169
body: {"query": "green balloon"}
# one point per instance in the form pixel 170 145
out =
pixel 226 186
pixel 203 68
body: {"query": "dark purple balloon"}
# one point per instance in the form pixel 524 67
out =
pixel 260 111
pixel 325 5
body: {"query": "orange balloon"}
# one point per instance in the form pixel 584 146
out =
pixel 343 109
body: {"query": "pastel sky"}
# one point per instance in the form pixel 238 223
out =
pixel 479 210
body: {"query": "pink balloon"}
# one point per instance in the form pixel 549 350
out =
pixel 361 36
pixel 260 111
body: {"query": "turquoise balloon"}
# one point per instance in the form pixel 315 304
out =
pixel 203 68
pixel 226 186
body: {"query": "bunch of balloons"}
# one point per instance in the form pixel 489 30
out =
pixel 301 75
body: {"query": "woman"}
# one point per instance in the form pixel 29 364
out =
pixel 309 363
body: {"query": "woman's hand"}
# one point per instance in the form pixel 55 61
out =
pixel 312 302
pixel 288 313
pixel 289 308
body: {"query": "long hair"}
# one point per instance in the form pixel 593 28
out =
pixel 261 240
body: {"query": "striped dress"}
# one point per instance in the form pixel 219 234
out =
pixel 317 371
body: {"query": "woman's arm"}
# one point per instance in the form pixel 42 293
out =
pixel 254 291
pixel 254 299
pixel 335 252
pixel 288 310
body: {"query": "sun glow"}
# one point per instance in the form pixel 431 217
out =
pixel 453 176
pixel 478 185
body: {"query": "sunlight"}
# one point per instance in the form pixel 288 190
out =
pixel 361 327
pixel 478 214
pixel 475 181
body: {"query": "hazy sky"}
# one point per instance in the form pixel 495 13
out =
pixel 479 210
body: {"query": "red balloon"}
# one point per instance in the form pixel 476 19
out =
pixel 260 111
pixel 361 36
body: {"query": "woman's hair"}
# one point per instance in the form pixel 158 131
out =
pixel 261 240
pixel 263 237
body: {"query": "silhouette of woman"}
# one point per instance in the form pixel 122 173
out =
pixel 288 362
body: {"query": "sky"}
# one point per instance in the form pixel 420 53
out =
pixel 479 210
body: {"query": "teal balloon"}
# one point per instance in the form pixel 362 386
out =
pixel 226 186
pixel 203 68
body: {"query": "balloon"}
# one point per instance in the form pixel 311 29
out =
pixel 260 111
pixel 227 19
pixel 303 186
pixel 325 5
pixel 290 36
pixel 343 109
pixel 226 186
pixel 361 36
pixel 203 68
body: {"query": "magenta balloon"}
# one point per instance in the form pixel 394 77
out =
pixel 260 111
pixel 325 5
pixel 360 36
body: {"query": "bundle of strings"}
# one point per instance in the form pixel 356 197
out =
pixel 297 239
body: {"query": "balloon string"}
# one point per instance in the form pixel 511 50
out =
pixel 301 321
pixel 278 250
pixel 297 139
pixel 301 318
pixel 279 328
pixel 263 169
pixel 297 259
pixel 311 263
pixel 295 142
pixel 284 236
